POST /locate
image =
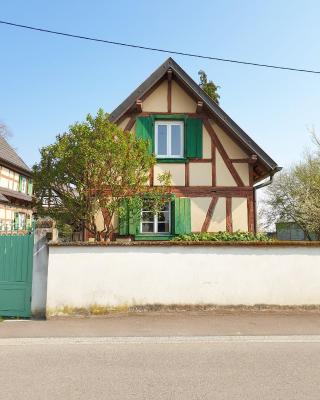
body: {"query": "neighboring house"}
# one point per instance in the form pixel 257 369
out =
pixel 213 163
pixel 292 231
pixel 15 189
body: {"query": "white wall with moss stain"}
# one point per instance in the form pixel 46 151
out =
pixel 112 276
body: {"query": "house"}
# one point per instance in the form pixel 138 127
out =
pixel 214 164
pixel 15 189
pixel 292 231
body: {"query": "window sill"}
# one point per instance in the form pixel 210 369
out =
pixel 172 160
pixel 153 237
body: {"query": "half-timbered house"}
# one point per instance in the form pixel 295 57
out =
pixel 214 164
pixel 15 190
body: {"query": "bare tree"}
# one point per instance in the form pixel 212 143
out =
pixel 4 131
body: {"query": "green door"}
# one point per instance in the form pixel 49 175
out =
pixel 16 261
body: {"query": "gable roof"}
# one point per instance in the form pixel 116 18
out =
pixel 9 157
pixel 213 107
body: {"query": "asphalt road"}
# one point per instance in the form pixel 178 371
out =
pixel 160 368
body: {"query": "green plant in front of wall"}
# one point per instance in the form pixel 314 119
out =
pixel 224 237
pixel 90 170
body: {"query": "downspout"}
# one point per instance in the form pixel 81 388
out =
pixel 262 185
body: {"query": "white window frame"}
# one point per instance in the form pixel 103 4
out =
pixel 155 223
pixel 169 124
pixel 22 219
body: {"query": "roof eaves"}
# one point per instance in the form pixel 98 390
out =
pixel 27 171
pixel 15 194
pixel 140 91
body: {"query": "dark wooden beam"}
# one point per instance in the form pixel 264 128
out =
pixel 209 215
pixel 169 95
pixel 199 107
pixel 251 178
pixel 251 212
pixel 190 115
pixel 130 124
pixel 187 175
pixel 254 211
pixel 229 214
pixel 206 191
pixel 139 106
pixel 213 164
pixel 200 160
pixel 223 153
pixel 250 160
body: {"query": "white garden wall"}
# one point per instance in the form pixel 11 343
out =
pixel 83 276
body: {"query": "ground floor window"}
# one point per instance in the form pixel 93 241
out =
pixel 156 223
pixel 20 220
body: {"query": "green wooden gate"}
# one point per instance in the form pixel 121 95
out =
pixel 16 261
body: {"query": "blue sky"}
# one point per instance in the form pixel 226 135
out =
pixel 48 82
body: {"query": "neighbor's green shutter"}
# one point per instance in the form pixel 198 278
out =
pixel 128 223
pixel 20 183
pixel 194 138
pixel 145 130
pixel 16 220
pixel 181 216
pixel 30 187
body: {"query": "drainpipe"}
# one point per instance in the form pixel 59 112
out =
pixel 264 184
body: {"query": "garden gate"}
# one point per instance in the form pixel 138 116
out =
pixel 16 261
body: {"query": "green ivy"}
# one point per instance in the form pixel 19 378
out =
pixel 224 237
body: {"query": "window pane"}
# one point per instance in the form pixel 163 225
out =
pixel 147 227
pixel 147 216
pixel 176 140
pixel 163 227
pixel 162 140
pixel 165 207
pixel 163 217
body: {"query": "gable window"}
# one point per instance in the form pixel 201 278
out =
pixel 169 141
pixel 156 223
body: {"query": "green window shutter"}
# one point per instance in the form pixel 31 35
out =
pixel 30 187
pixel 133 223
pixel 194 138
pixel 181 216
pixel 20 183
pixel 16 221
pixel 129 222
pixel 145 130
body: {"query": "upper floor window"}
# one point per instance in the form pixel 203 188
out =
pixel 169 141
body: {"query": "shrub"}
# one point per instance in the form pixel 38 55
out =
pixel 224 237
